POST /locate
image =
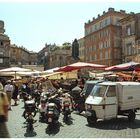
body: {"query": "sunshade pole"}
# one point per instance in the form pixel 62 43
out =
pixel 15 75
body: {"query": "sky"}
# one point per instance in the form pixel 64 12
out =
pixel 32 24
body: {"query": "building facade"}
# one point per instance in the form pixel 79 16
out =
pixel 19 56
pixel 43 57
pixel 4 48
pixel 33 58
pixel 102 39
pixel 131 38
pixel 60 57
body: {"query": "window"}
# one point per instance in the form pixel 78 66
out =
pixel 1 53
pixel 106 55
pixel 111 91
pixel 101 45
pixel 98 91
pixel 105 22
pixel 1 60
pixel 128 30
pixel 90 48
pixel 95 38
pixel 117 21
pixel 90 57
pixel 100 24
pixel 95 48
pixel 109 21
pixel 95 58
pixel 129 49
pixel 1 43
pixel 101 35
pixel 101 55
pixel 90 29
pixel 106 44
pixel 90 39
pixel 106 33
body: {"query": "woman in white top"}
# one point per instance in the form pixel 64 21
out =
pixel 8 89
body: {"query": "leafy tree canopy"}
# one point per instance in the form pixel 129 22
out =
pixel 66 46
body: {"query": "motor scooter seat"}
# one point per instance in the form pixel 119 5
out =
pixel 30 102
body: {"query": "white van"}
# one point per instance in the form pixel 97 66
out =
pixel 109 99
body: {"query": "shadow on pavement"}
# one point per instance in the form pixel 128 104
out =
pixel 69 121
pixel 116 124
pixel 54 130
pixel 30 133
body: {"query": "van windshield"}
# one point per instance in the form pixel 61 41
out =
pixel 98 90
pixel 88 87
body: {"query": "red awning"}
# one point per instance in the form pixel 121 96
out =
pixel 79 65
pixel 124 67
pixel 137 67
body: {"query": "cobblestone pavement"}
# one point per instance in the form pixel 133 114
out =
pixel 116 128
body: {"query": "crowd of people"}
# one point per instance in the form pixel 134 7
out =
pixel 11 90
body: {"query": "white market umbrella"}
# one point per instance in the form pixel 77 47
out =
pixel 15 70
pixel 50 70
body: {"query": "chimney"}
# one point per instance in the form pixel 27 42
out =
pixel 132 13
pixel 103 12
pixel 93 18
pixel 98 15
pixel 110 9
pixel 88 21
pixel 122 11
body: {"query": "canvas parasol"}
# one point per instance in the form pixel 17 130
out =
pixel 129 66
pixel 14 70
pixel 79 65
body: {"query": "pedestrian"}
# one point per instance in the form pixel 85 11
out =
pixel 3 113
pixel 1 86
pixel 67 98
pixel 8 89
pixel 15 93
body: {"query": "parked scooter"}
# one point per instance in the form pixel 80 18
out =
pixel 26 97
pixel 44 95
pixel 42 109
pixel 52 115
pixel 36 95
pixel 29 113
pixel 66 111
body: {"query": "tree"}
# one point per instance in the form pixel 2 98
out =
pixel 66 46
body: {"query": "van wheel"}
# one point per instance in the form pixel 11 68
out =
pixel 91 120
pixel 131 116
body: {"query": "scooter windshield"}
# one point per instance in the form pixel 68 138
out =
pixel 98 90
